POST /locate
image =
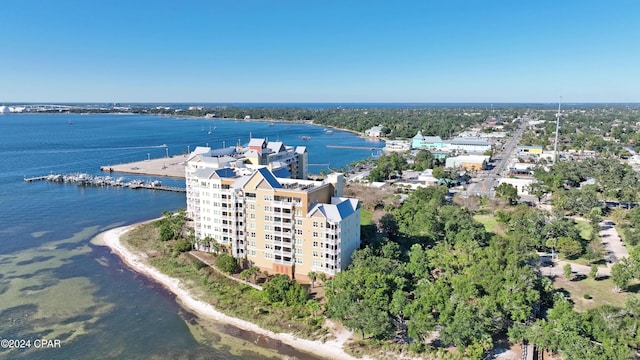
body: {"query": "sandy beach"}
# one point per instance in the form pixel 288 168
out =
pixel 331 349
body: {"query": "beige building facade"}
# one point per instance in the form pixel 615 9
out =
pixel 287 226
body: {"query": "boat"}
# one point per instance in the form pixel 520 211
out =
pixel 70 122
pixel 328 132
pixel 305 137
pixel 271 124
pixel 209 129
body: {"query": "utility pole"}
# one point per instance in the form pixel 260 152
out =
pixel 555 144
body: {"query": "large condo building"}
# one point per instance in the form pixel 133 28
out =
pixel 282 225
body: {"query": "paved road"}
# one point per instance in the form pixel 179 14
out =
pixel 613 245
pixel 486 181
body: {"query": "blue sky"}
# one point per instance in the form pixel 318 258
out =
pixel 319 51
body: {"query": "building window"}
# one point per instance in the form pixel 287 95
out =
pixel 298 261
pixel 252 225
pixel 252 216
pixel 315 224
pixel 315 253
pixel 253 243
pixel 267 208
pixel 315 234
pixel 315 244
pixel 253 253
pixel 298 241
pixel 298 222
pixel 299 251
pixel 252 206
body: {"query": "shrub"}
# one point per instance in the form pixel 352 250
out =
pixel 227 263
pixel 198 264
pixel 588 297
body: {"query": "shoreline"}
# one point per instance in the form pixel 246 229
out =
pixel 331 349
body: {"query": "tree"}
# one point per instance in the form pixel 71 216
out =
pixel 252 272
pixel 568 247
pixel 312 276
pixel 281 289
pixel 322 277
pixel 622 273
pixel 566 270
pixel 594 271
pixel 389 225
pixel 507 192
pixel 227 263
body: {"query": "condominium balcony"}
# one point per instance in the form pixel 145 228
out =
pixel 334 252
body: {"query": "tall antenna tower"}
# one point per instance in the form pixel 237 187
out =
pixel 555 143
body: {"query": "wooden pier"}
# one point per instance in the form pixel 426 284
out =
pixel 353 147
pixel 104 181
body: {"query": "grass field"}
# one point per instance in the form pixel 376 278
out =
pixel 601 292
pixel 490 223
pixel 365 217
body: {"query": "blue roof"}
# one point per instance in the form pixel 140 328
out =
pixel 268 176
pixel 225 173
pixel 282 173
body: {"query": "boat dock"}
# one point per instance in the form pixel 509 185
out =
pixel 353 147
pixel 104 181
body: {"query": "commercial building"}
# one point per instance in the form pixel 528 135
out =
pixel 469 145
pixel 473 145
pixel 280 225
pixel 522 185
pixel 468 162
pixel 434 143
pixel 528 150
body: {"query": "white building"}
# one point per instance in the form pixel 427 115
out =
pixel 374 132
pixel 397 146
pixel 522 185
pixel 286 226
pixel 468 162
pixel 469 145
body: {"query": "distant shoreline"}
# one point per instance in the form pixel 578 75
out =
pixel 331 349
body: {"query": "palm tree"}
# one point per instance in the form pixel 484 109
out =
pixel 253 273
pixel 216 247
pixel 312 276
pixel 322 277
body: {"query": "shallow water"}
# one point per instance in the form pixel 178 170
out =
pixel 55 284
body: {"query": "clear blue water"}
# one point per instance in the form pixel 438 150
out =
pixel 55 284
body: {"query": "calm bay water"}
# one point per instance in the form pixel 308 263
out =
pixel 55 284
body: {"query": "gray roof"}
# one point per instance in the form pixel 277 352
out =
pixel 204 173
pixel 223 151
pixel 469 141
pixel 275 146
pixel 428 139
pixel 339 209
pixel 256 142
